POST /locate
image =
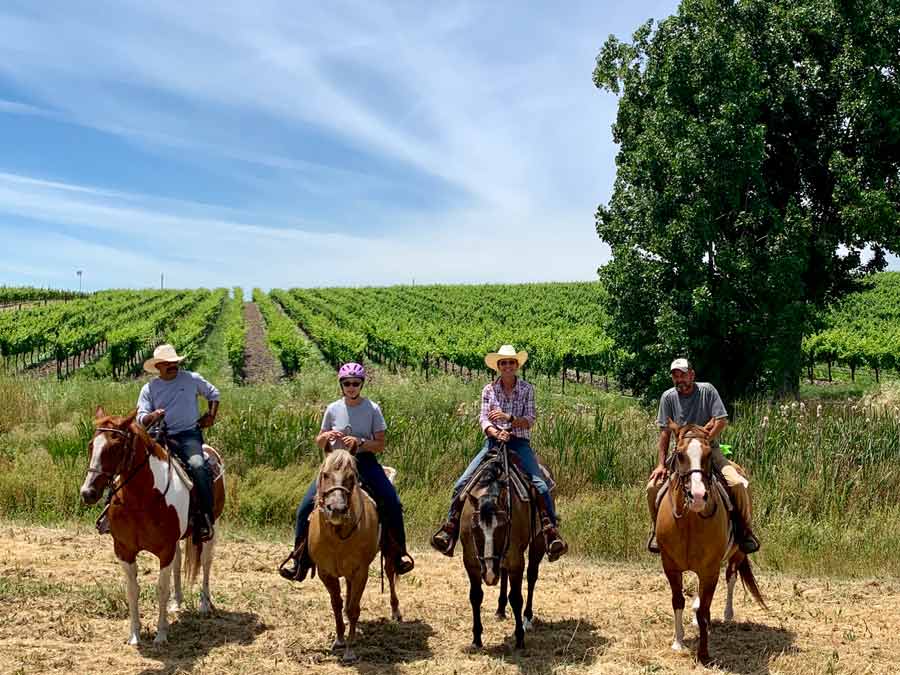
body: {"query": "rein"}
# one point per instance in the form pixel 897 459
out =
pixel 128 436
pixel 682 479
pixel 505 455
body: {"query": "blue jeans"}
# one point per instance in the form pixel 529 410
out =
pixel 384 493
pixel 188 447
pixel 522 448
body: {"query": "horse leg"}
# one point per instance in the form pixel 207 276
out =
pixel 534 563
pixel 391 575
pixel 131 588
pixel 206 558
pixel 177 598
pixel 501 602
pixel 333 584
pixel 476 595
pixel 731 575
pixel 675 583
pixel 515 601
pixel 707 590
pixel 162 596
pixel 355 588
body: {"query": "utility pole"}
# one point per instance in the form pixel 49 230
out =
pixel 162 283
pixel 78 273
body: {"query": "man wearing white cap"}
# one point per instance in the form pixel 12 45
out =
pixel 173 396
pixel 690 402
pixel 507 415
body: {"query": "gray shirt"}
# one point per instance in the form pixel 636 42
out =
pixel 362 421
pixel 179 398
pixel 703 404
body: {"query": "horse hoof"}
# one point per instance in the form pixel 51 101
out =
pixel 476 645
pixel 349 657
pixel 520 644
pixel 133 641
pixel 174 607
pixel 397 616
pixel 528 624
pixel 729 616
pixel 161 638
pixel 500 616
pixel 704 659
pixel 677 646
pixel 338 644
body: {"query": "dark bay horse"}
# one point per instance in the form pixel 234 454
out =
pixel 496 528
pixel 343 541
pixel 148 511
pixel 694 533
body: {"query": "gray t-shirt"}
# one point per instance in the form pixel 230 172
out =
pixel 699 407
pixel 179 398
pixel 362 421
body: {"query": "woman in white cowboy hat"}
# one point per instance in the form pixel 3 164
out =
pixel 507 415
pixel 173 395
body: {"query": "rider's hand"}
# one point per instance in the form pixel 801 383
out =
pixel 206 421
pixel 503 436
pixel 332 436
pixel 658 473
pixel 498 416
pixel 351 443
pixel 152 418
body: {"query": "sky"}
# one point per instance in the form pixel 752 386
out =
pixel 304 144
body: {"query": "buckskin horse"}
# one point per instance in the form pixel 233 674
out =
pixel 496 527
pixel 343 541
pixel 148 511
pixel 693 528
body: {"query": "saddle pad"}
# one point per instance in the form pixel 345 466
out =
pixel 216 469
pixel 390 472
pixel 521 483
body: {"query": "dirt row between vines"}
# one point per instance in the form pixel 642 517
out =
pixel 260 366
pixel 63 607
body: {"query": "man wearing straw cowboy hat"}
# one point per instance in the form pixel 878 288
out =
pixel 173 395
pixel 507 416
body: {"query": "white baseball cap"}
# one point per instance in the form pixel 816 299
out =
pixel 680 364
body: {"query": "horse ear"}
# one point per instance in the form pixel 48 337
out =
pixel 99 413
pixel 127 422
pixel 671 426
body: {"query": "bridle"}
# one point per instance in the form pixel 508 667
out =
pixel 504 453
pixel 684 477
pixel 320 502
pixel 126 457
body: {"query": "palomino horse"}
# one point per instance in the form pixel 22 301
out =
pixel 694 534
pixel 148 511
pixel 496 527
pixel 343 541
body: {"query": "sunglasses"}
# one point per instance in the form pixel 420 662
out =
pixel 349 383
pixel 508 362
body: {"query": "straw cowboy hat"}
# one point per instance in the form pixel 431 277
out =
pixel 162 354
pixel 505 352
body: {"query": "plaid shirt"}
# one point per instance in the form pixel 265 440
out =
pixel 520 403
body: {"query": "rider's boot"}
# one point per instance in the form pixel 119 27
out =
pixel 555 545
pixel 743 535
pixel 204 530
pixel 300 563
pixel 444 540
pixel 652 544
pixel 403 561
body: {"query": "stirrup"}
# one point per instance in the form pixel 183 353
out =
pixel 555 545
pixel 444 540
pixel 749 544
pixel 652 544
pixel 404 563
pixel 300 567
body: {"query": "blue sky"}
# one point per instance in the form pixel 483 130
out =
pixel 304 144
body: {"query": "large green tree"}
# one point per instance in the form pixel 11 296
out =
pixel 759 158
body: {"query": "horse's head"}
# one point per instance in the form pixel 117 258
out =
pixel 692 458
pixel 490 523
pixel 109 451
pixel 335 484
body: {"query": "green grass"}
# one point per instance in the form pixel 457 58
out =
pixel 824 481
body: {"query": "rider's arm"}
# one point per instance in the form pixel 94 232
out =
pixel 322 438
pixel 374 445
pixel 718 427
pixel 663 447
pixel 144 404
pixel 527 420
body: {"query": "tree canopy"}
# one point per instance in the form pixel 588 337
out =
pixel 758 176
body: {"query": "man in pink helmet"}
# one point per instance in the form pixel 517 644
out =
pixel 354 423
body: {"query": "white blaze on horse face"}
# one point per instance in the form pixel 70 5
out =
pixel 177 494
pixel 99 444
pixel 698 490
pixel 488 530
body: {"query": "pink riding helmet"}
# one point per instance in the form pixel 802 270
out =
pixel 352 370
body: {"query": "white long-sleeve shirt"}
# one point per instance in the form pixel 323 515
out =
pixel 178 397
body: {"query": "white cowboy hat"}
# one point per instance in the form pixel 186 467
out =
pixel 162 354
pixel 505 352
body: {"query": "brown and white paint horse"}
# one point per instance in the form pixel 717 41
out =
pixel 692 528
pixel 148 512
pixel 496 528
pixel 343 541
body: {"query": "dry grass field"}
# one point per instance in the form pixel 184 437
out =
pixel 63 607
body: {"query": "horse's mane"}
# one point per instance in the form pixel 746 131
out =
pixel 150 445
pixel 339 460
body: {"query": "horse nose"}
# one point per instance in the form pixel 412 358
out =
pixel 88 495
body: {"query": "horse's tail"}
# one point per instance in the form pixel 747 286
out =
pixel 749 581
pixel 192 553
